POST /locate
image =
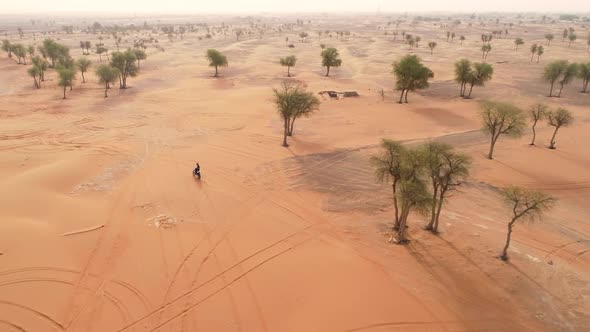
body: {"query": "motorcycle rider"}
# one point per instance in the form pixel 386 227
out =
pixel 197 169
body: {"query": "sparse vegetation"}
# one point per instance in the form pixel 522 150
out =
pixel 560 71
pixel 83 64
pixel 107 75
pixel 293 102
pixel 446 170
pixel 66 78
pixel 126 64
pixel 525 204
pixel 472 74
pixel 431 46
pixel 411 75
pixel 537 112
pixel 584 75
pixel 288 62
pixel 330 58
pixel 518 42
pixel 559 118
pixel 388 168
pixel 216 59
pixel 500 118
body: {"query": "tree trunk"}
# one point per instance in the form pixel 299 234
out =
pixel 551 89
pixel 492 144
pixel 538 56
pixel 64 92
pixel 327 71
pixel 532 56
pixel 285 129
pixel 138 64
pixel 288 71
pixel 396 209
pixel 406 97
pixel 470 89
pixel 83 78
pixel 505 250
pixel 552 145
pixel 440 203
pixel 585 86
pixel 291 125
pixel 106 88
pixel 401 232
pixel 534 133
pixel 402 96
pixel 560 89
pixel 433 208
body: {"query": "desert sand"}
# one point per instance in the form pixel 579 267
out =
pixel 103 228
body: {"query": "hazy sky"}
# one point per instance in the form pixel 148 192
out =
pixel 196 6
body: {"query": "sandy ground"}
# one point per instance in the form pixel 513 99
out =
pixel 103 228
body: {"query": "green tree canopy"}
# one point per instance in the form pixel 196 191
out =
pixel 499 118
pixel 330 58
pixel 410 75
pixel 107 75
pixel 126 63
pixel 288 62
pixel 216 59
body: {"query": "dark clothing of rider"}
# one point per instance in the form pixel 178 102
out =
pixel 197 168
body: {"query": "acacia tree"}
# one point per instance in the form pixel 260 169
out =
pixel 549 38
pixel 6 47
pixel 388 169
pixel 584 75
pixel 330 58
pixel 107 75
pixel 216 59
pixel 288 62
pixel 126 63
pixel 66 78
pixel 139 55
pixel 411 75
pixel 35 73
pixel 534 48
pixel 485 50
pixel 431 46
pixel 537 112
pixel 83 64
pixel 413 192
pixel 540 51
pixel 553 71
pixel 292 102
pixel 501 118
pixel 463 74
pixel 446 170
pixel 21 52
pixel 100 50
pixel 568 75
pixel 572 37
pixel 481 73
pixel 517 42
pixel 41 65
pixel 559 118
pixel 525 204
pixel 53 52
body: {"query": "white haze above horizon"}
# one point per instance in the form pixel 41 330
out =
pixel 257 6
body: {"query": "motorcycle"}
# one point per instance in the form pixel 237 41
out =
pixel 197 173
